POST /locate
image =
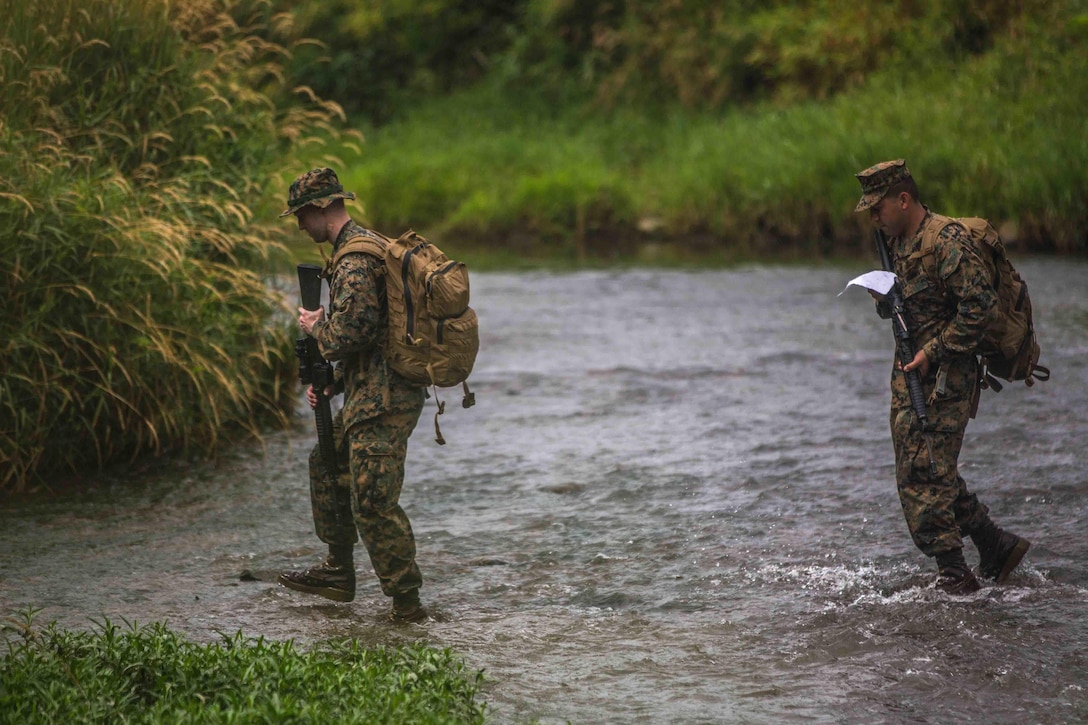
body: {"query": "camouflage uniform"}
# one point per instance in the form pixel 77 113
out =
pixel 371 432
pixel 949 302
pixel 380 411
pixel 948 316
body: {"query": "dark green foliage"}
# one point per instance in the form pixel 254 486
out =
pixel 373 57
pixel 151 674
pixel 713 55
pixel 378 58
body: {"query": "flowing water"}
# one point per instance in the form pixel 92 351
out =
pixel 673 502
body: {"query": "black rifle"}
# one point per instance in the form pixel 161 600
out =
pixel 904 347
pixel 315 370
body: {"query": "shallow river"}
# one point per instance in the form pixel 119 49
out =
pixel 673 502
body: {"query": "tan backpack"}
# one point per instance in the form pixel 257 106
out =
pixel 433 333
pixel 1009 348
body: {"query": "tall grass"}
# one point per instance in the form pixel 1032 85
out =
pixel 999 134
pixel 135 144
pixel 150 674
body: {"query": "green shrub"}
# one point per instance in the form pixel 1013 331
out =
pixel 376 57
pixel 134 146
pixel 150 674
pixel 711 56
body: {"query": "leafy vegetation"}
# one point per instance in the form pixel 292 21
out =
pixel 716 55
pixel 150 674
pixel 506 171
pixel 145 145
pixel 382 57
pixel 602 130
pixel 134 144
pixel 377 57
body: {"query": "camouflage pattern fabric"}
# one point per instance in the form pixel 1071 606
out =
pixel 353 333
pixel 319 187
pixel 877 180
pixel 950 314
pixel 365 500
pixel 947 318
pixel 380 412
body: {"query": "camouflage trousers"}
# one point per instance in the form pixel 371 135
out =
pixel 939 509
pixel 363 502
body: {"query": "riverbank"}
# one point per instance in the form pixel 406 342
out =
pixel 510 171
pixel 152 674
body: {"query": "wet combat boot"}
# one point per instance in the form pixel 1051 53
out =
pixel 333 578
pixel 407 607
pixel 953 576
pixel 999 551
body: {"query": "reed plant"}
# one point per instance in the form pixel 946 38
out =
pixel 137 143
pixel 151 674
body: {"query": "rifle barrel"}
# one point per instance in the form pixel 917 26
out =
pixel 905 348
pixel 315 370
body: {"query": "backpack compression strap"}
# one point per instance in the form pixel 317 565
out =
pixel 467 401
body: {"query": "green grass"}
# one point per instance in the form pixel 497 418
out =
pixel 136 151
pixel 999 135
pixel 150 674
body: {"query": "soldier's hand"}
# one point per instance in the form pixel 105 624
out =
pixel 311 396
pixel 308 318
pixel 919 363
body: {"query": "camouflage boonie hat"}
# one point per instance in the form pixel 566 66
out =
pixel 876 180
pixel 318 187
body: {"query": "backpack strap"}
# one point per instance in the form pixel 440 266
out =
pixel 369 242
pixel 978 229
pixel 927 252
pixel 467 401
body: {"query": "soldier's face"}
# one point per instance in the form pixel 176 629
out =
pixel 890 214
pixel 312 221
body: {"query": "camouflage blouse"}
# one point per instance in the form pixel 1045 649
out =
pixel 352 333
pixel 947 314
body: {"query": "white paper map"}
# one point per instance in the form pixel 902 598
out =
pixel 878 281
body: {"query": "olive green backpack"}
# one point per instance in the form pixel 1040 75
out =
pixel 1009 348
pixel 433 333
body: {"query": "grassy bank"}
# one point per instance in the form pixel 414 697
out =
pixel 150 674
pixel 134 147
pixel 1001 135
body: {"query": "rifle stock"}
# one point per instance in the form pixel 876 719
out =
pixel 315 370
pixel 904 347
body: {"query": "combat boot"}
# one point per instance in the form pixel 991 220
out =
pixel 953 576
pixel 333 578
pixel 999 551
pixel 408 608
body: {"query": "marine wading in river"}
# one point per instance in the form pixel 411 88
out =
pixel 948 307
pixel 398 320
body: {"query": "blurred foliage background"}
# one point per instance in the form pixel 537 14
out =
pixel 600 129
pixel 146 145
pixel 374 56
